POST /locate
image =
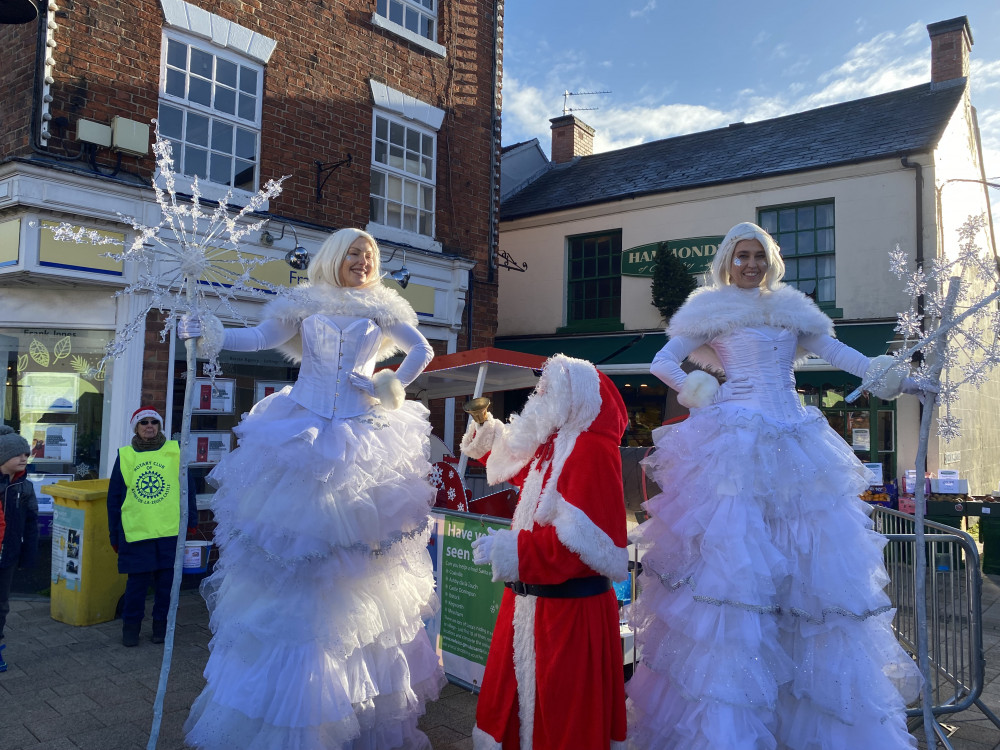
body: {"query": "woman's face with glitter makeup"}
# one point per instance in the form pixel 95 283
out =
pixel 749 264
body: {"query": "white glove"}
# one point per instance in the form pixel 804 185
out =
pixel 482 547
pixel 737 389
pixel 188 327
pixel 365 384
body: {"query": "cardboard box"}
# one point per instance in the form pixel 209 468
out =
pixel 950 485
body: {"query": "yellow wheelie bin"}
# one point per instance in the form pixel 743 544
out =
pixel 86 584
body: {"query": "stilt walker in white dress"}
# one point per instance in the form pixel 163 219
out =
pixel 318 599
pixel 762 622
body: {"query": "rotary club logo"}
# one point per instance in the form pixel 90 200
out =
pixel 150 487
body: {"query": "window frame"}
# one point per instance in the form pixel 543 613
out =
pixel 381 18
pixel 599 323
pixel 815 256
pixel 209 188
pixel 388 171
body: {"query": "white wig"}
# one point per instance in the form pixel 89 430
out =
pixel 724 256
pixel 324 266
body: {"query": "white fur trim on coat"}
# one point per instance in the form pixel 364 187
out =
pixel 483 741
pixel 713 311
pixel 377 302
pixel 566 400
pixel 503 556
pixel 388 390
pixel 581 535
pixel 698 390
pixel 524 666
pixel 478 438
pixel 213 334
pixel 886 381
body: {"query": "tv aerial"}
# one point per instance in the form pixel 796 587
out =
pixel 567 94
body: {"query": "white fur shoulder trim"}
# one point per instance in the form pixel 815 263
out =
pixel 377 302
pixel 713 311
pixel 388 390
pixel 698 389
pixel 582 536
pixel 482 741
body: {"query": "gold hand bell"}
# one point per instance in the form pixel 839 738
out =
pixel 478 409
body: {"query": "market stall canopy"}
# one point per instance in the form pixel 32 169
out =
pixel 475 372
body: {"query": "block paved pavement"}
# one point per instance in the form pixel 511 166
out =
pixel 71 688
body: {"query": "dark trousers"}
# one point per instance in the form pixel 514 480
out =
pixel 6 579
pixel 134 605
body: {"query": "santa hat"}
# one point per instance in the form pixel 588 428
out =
pixel 144 412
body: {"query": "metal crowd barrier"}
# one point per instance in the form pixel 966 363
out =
pixel 954 609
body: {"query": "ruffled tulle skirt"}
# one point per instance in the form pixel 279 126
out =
pixel 762 622
pixel 318 601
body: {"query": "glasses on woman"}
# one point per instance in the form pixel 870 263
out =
pixel 147 422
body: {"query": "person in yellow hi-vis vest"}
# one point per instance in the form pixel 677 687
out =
pixel 144 521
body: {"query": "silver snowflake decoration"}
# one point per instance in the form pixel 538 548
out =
pixel 197 260
pixel 959 324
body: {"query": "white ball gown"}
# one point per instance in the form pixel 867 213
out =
pixel 324 579
pixel 762 622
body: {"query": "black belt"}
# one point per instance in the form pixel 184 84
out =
pixel 574 588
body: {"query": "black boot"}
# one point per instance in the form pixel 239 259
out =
pixel 159 631
pixel 130 632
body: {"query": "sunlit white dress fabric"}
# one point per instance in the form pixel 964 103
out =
pixel 318 600
pixel 762 622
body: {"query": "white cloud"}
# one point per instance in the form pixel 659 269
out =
pixel 647 8
pixel 888 61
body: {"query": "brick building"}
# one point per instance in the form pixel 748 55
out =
pixel 384 115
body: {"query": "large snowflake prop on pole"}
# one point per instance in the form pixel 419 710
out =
pixel 198 258
pixel 952 331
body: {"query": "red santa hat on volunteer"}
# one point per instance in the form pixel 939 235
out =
pixel 145 412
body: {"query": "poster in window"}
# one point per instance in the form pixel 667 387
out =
pixel 210 447
pixel 47 392
pixel 213 398
pixel 40 482
pixel 264 388
pixel 861 439
pixel 51 442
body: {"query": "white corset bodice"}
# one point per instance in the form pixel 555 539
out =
pixel 329 355
pixel 765 358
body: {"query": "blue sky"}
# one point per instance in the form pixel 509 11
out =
pixel 678 66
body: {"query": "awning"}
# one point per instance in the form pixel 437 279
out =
pixel 610 351
pixel 477 371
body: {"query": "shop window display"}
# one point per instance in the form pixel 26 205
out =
pixel 54 395
pixel 868 424
pixel 247 378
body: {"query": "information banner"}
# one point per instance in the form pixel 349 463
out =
pixel 470 599
pixel 67 546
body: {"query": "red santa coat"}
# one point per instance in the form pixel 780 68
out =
pixel 554 676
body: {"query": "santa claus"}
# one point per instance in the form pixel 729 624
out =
pixel 554 676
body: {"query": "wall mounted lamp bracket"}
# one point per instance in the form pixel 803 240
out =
pixel 504 260
pixel 329 169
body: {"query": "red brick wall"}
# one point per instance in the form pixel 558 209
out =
pixel 16 81
pixel 950 55
pixel 316 107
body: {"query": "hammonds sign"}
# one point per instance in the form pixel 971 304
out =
pixel 696 252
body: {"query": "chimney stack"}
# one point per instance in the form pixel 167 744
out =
pixel 951 42
pixel 570 138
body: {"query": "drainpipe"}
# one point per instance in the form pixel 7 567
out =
pixel 918 182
